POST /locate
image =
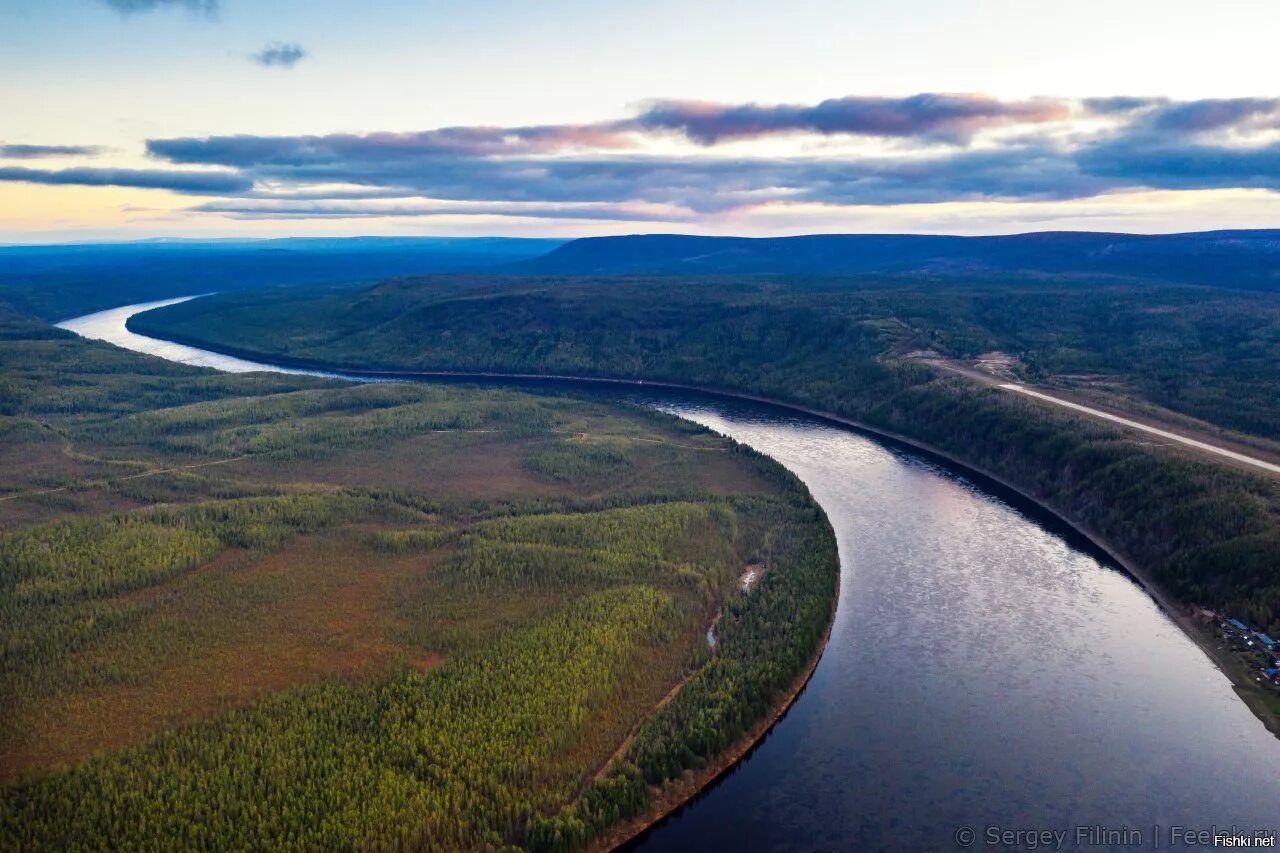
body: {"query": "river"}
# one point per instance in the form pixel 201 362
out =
pixel 986 668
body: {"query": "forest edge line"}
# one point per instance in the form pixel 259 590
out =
pixel 1176 611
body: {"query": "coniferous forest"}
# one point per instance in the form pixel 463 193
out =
pixel 275 611
pixel 1206 533
pixel 587 427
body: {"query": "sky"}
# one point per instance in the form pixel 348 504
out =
pixel 135 119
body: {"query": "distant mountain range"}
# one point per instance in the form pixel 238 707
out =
pixel 59 281
pixel 1241 259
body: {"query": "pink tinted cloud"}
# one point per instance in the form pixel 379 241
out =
pixel 947 115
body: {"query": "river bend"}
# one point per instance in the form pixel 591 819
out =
pixel 986 667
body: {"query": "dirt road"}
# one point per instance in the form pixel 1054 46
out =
pixel 1202 443
pixel 1147 428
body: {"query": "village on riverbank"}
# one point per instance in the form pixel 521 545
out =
pixel 1256 651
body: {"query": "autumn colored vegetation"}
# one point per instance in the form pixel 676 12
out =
pixel 269 611
pixel 1208 534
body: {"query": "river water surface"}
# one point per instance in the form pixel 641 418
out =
pixel 986 669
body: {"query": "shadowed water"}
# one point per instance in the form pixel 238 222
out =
pixel 984 669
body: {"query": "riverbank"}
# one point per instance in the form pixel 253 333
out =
pixel 1202 439
pixel 679 793
pixel 1173 609
pixel 928 553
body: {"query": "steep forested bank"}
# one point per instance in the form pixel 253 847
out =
pixel 1207 534
pixel 265 611
pixel 1204 352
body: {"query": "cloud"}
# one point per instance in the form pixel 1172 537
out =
pixel 246 151
pixel 1184 166
pixel 1121 104
pixel 705 185
pixel 1219 114
pixel 279 55
pixel 197 183
pixel 208 8
pixel 666 161
pixel 699 184
pixel 943 115
pixel 1213 143
pixel 26 152
pixel 290 209
pixel 932 116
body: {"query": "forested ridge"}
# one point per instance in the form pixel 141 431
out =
pixel 265 611
pixel 1205 352
pixel 1243 259
pixel 54 282
pixel 1207 534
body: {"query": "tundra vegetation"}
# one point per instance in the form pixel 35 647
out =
pixel 1207 534
pixel 279 611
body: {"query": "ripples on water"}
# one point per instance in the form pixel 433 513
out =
pixel 981 670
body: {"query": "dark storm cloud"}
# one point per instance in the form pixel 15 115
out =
pixel 26 152
pixel 279 55
pixel 200 183
pixel 129 7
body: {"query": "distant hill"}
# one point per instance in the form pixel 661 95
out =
pixel 1240 259
pixel 60 281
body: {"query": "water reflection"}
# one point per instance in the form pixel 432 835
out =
pixel 982 669
pixel 110 326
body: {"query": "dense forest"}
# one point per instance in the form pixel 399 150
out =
pixel 1207 534
pixel 278 611
pixel 1207 353
pixel 1240 259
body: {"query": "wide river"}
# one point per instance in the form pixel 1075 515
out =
pixel 986 669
